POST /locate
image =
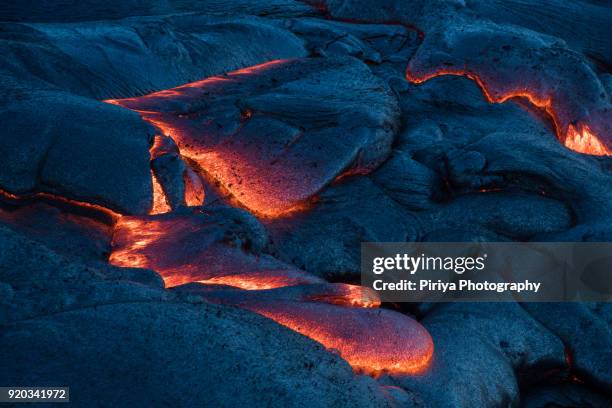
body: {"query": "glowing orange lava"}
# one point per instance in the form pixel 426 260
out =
pixel 160 201
pixel 585 141
pixel 341 317
pixel 372 341
pixel 179 248
pixel 260 280
pixel 347 295
pixel 194 190
pixel 579 137
pixel 82 205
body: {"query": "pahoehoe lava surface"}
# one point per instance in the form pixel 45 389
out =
pixel 184 187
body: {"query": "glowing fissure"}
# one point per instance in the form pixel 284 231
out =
pixel 95 208
pixel 579 137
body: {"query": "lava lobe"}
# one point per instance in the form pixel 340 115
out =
pixel 253 132
pixel 500 60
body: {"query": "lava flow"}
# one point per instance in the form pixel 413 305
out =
pixel 339 316
pixel 265 164
pixel 261 280
pixel 579 137
pixel 343 318
pixel 185 248
pixel 196 248
pixel 372 341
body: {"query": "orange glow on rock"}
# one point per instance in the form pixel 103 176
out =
pixel 583 141
pixel 179 248
pixel 194 190
pixel 341 317
pixel 372 341
pixel 347 295
pixel 260 280
pixel 94 208
pixel 160 201
pixel 135 234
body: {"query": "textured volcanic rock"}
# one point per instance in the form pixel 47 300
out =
pixel 417 14
pixel 69 234
pixel 179 354
pixel 326 240
pixel 407 181
pixel 586 334
pixel 274 135
pixel 62 144
pixel 43 282
pixel 374 43
pixel 581 182
pixel 565 396
pixel 584 25
pixel 449 111
pixel 62 11
pixel 132 57
pixel 511 215
pixel 60 318
pixel 484 344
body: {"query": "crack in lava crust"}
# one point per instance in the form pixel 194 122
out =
pixel 578 137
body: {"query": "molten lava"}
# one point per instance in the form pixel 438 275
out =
pixel 579 138
pixel 184 249
pixel 343 318
pixel 194 248
pixel 372 341
pixel 585 141
pixel 261 280
pixel 160 201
